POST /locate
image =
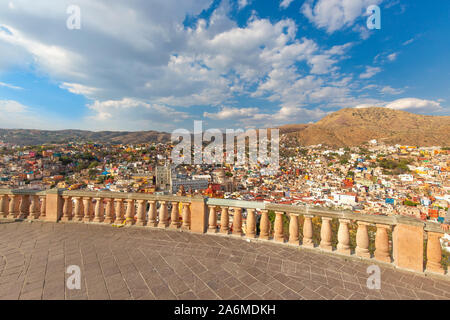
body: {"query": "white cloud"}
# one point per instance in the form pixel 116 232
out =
pixel 415 105
pixel 391 4
pixel 390 90
pixel 132 114
pixel 156 71
pixel 50 58
pixel 231 113
pixel 10 86
pixel 370 72
pixel 383 89
pixel 80 89
pixel 408 41
pixel 285 3
pixel 391 57
pixel 159 62
pixel 243 3
pixel 333 15
pixel 11 106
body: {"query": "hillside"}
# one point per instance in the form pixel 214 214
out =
pixel 352 127
pixel 38 137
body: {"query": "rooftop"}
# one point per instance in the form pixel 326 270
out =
pixel 147 263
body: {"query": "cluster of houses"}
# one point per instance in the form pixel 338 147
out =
pixel 372 179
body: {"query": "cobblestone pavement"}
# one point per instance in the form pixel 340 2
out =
pixel 138 263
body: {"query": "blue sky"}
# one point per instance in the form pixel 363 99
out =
pixel 161 64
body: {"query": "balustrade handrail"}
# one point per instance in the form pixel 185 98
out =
pixel 23 192
pixel 405 246
pixel 235 203
pixel 123 195
pixel 290 209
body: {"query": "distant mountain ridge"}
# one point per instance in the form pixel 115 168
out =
pixel 346 127
pixel 39 137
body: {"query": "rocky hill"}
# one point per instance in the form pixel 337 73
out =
pixel 352 127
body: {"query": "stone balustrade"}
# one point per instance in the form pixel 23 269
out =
pixel 398 240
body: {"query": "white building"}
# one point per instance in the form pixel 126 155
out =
pixel 344 199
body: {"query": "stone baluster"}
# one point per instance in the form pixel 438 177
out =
pixel 43 207
pixel 224 221
pixel 109 211
pixel 186 216
pixel 382 243
pixel 251 224
pixel 92 210
pixel 67 209
pixel 78 210
pixel 129 218
pixel 141 213
pixel 87 204
pixel 278 227
pixel 152 214
pixel 24 207
pixel 362 240
pixel 308 232
pixel 119 211
pixel 17 206
pixel 434 253
pixel 237 221
pixel 343 245
pixel 175 216
pixel 13 200
pixel 293 229
pixel 264 225
pixel 325 234
pixel 34 207
pixel 212 220
pixel 99 210
pixel 3 206
pixel 163 215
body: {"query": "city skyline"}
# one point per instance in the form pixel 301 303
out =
pixel 232 64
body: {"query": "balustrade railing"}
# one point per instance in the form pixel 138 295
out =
pixel 398 240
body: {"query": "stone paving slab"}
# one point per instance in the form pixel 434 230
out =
pixel 141 263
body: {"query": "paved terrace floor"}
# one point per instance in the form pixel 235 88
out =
pixel 136 263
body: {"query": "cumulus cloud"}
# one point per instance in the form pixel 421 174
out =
pixel 130 113
pixel 157 71
pixel 334 15
pixel 157 62
pixel 415 105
